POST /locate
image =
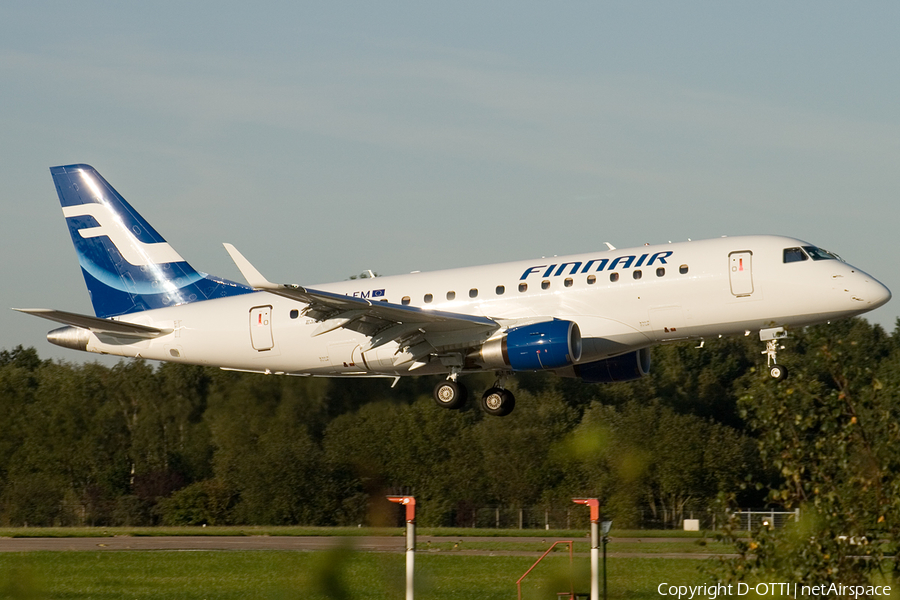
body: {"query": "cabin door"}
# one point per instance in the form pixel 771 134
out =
pixel 740 270
pixel 261 328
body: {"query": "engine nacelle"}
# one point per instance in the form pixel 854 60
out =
pixel 548 345
pixel 625 367
pixel 75 338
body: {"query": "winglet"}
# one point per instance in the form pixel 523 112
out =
pixel 253 277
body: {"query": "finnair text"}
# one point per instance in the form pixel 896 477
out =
pixel 599 264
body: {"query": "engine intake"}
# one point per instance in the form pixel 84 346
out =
pixel 548 345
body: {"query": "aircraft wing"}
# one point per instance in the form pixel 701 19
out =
pixel 96 324
pixel 419 332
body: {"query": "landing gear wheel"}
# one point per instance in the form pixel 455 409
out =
pixel 778 372
pixel 450 394
pixel 498 402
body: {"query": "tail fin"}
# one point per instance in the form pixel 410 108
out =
pixel 128 267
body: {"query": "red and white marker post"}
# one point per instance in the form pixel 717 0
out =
pixel 410 503
pixel 594 505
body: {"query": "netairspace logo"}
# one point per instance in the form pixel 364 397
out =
pixel 780 589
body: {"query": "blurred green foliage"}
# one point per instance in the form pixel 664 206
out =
pixel 831 434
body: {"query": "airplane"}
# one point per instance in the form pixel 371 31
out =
pixel 592 316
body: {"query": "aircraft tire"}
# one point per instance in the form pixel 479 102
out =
pixel 450 394
pixel 498 402
pixel 778 372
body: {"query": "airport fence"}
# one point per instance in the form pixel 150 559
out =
pixel 550 518
pixel 749 520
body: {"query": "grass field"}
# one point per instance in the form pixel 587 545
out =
pixel 329 531
pixel 442 573
pixel 314 576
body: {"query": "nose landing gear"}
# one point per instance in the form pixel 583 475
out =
pixel 771 337
pixel 778 372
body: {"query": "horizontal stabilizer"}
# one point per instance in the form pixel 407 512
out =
pixel 96 324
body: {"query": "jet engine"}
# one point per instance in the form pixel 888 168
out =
pixel 546 345
pixel 625 367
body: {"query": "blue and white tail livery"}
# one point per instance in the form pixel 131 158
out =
pixel 128 267
pixel 591 316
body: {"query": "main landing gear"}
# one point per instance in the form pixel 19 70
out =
pixel 496 401
pixel 771 337
pixel 451 394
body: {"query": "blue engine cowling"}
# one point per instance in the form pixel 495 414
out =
pixel 548 345
pixel 625 367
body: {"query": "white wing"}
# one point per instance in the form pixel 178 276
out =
pixel 418 332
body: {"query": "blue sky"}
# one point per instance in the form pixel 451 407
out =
pixel 324 139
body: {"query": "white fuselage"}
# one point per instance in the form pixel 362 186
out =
pixel 663 293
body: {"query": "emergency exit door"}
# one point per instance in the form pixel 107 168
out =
pixel 261 328
pixel 740 270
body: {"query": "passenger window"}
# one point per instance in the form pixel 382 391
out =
pixel 794 255
pixel 405 300
pixel 613 276
pixel 500 289
pixel 295 313
pixel 428 298
pixel 637 274
pixel 523 287
pixel 545 284
pixel 451 295
pixel 660 272
pixel 683 269
pixel 592 279
pixel 568 282
pixel 473 293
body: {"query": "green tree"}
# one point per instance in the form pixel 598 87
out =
pixel 388 448
pixel 831 432
pixel 264 454
pixel 18 386
pixel 638 455
pixel 73 444
pixel 206 502
pixel 357 453
pixel 516 449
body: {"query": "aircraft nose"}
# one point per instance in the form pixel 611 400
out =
pixel 881 294
pixel 872 292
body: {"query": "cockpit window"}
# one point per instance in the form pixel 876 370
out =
pixel 794 255
pixel 819 254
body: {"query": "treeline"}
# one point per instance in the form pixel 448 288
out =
pixel 832 435
pixel 144 444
